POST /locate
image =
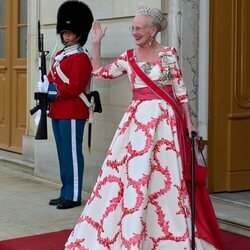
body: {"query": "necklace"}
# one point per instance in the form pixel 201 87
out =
pixel 147 54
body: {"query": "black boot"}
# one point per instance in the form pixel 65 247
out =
pixel 55 202
pixel 68 204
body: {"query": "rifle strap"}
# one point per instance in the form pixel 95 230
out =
pixel 65 79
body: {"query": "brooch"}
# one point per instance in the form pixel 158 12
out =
pixel 146 67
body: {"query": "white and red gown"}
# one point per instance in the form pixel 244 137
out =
pixel 140 199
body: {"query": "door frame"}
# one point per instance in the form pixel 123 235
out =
pixel 228 122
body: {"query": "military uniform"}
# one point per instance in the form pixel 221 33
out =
pixel 69 78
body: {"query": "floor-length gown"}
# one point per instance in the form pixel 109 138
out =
pixel 140 200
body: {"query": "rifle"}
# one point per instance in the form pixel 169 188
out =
pixel 41 98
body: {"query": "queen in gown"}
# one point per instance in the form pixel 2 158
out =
pixel 140 199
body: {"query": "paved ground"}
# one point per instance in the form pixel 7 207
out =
pixel 24 208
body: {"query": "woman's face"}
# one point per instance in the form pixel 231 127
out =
pixel 142 30
pixel 70 38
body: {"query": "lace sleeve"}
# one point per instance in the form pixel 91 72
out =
pixel 176 76
pixel 112 70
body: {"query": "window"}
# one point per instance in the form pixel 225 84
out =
pixel 2 29
pixel 22 29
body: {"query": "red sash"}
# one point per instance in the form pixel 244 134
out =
pixel 205 219
pixel 180 123
pixel 157 90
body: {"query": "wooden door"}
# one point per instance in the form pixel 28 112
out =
pixel 229 96
pixel 13 80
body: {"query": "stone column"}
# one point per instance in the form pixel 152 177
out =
pixel 174 23
pixel 183 34
pixel 203 68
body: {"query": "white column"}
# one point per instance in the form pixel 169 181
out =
pixel 183 34
pixel 174 23
pixel 203 68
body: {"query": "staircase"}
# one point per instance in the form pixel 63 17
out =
pixel 233 211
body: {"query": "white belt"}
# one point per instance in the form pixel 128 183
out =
pixel 66 80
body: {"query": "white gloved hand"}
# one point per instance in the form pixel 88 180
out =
pixel 43 86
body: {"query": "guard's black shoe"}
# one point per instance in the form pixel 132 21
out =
pixel 55 202
pixel 68 204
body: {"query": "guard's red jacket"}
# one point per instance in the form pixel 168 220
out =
pixel 68 105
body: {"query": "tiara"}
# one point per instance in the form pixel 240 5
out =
pixel 150 12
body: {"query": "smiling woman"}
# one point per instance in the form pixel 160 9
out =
pixel 141 199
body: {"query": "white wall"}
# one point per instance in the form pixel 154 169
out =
pixel 115 95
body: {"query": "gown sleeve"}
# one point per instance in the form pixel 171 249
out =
pixel 176 76
pixel 113 70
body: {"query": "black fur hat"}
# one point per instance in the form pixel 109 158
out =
pixel 74 16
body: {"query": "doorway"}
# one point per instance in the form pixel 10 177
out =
pixel 229 96
pixel 13 73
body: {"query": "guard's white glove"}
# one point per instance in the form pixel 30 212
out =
pixel 43 86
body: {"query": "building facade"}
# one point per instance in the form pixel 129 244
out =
pixel 210 37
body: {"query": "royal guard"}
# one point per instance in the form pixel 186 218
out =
pixel 66 85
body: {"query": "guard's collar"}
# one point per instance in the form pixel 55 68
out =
pixel 68 51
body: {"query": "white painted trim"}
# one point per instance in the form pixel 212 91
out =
pixel 203 68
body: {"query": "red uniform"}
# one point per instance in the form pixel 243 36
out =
pixel 69 77
pixel 68 105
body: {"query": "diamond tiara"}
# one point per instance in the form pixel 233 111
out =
pixel 150 12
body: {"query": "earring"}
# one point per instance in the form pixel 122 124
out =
pixel 151 40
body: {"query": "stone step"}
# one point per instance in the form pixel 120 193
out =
pixel 233 215
pixel 16 162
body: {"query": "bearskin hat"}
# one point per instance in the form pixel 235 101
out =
pixel 74 16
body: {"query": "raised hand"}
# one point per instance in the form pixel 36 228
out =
pixel 97 32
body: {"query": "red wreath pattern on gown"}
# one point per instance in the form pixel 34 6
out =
pixel 141 199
